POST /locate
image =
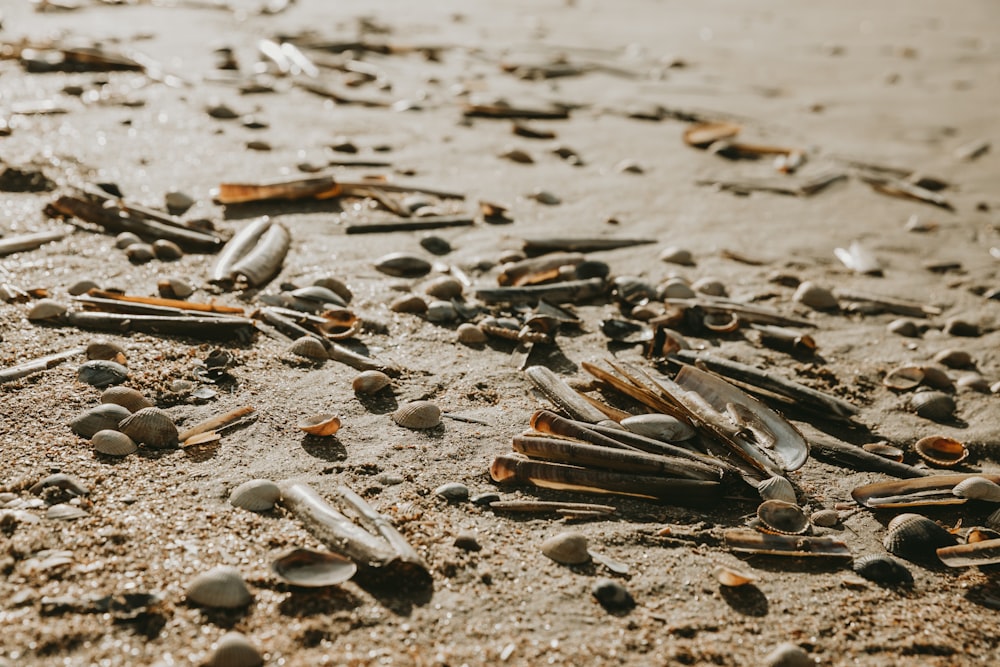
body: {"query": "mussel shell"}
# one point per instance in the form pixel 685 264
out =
pixel 321 424
pixel 313 569
pixel 883 569
pixel 102 417
pixel 308 347
pixel 659 427
pixel 777 488
pixel 338 286
pixel 127 397
pixel 403 265
pixel 417 415
pixel 102 373
pixel 935 405
pixel 937 377
pixel 235 650
pixel 369 382
pixel 912 536
pixel 221 587
pixel 941 451
pixel 256 495
pixel 783 517
pixel 113 443
pixel 978 488
pixel 150 426
pixel 569 548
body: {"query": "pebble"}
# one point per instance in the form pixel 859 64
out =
pixel 674 255
pixel 140 253
pixel 453 492
pixel 125 239
pixel 435 245
pixel 408 303
pixel 470 334
pixel 612 595
pixel 82 287
pixel 174 288
pixel 484 499
pixel 443 287
pixel 389 478
pixel 814 296
pixel 441 311
pixel 258 145
pixel 178 202
pixel 467 540
pixel 788 655
pixel 903 327
pixel 167 250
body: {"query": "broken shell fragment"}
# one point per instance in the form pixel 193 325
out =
pixel 101 373
pixel 777 488
pixel 912 536
pixel 127 397
pixel 313 569
pixel 752 541
pixel 883 569
pixel 978 488
pixel 321 424
pixel 221 587
pixel 150 426
pixel 113 443
pixel 256 495
pixel 935 405
pixel 941 451
pixel 369 382
pixel 417 415
pixel 308 347
pixel 814 296
pixel 659 427
pixel 569 548
pixel 106 416
pixel 234 649
pixel 884 450
pixel 986 552
pixel 403 265
pixel 783 517
pixel 731 577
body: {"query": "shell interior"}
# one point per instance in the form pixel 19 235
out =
pixel 322 424
pixel 941 451
pixel 313 569
pixel 783 517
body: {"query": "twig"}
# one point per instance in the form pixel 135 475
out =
pixel 37 365
pixel 419 224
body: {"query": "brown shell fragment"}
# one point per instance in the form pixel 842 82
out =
pixel 941 451
pixel 783 517
pixel 417 415
pixel 704 135
pixel 912 536
pixel 321 424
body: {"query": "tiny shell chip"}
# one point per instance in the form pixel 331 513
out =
pixel 235 650
pixel 313 569
pixel 101 373
pixel 403 265
pixel 150 426
pixel 308 347
pixel 322 424
pixel 113 443
pixel 941 451
pixel 130 399
pixel 569 548
pixel 256 495
pixel 417 415
pixel 221 587
pixel 369 382
pixel 728 576
pixel 45 309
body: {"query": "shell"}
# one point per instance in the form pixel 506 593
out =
pixel 417 415
pixel 313 569
pixel 674 255
pixel 709 286
pixel 125 239
pixel 435 245
pixel 677 288
pixel 150 426
pixel 106 416
pixel 777 488
pixel 321 424
pixel 825 518
pixel 167 250
pixel 101 373
pixel 441 311
pixel 82 287
pixel 904 378
pixel 921 491
pixel 316 297
pixel 369 382
pixel 62 481
pixel 130 399
pixel 728 576
pixel 783 517
pixel 221 587
pixel 140 253
pixel 993 520
pixel 912 536
pixel 977 534
pixel 444 287
pixel 113 443
pixel 972 382
pixel 569 548
pixel 337 286
pixel 883 569
pixel 177 202
pixel 941 451
pixel 174 288
pixel 904 326
pixel 978 488
pixel 885 450
pixel 409 303
pixel 659 427
pixel 796 546
pixel 935 405
pixel 953 358
pixel 788 655
pixel 65 512
pixel 814 296
pixel 105 350
pixel 403 265
pixel 469 334
pixel 308 347
pixel 937 377
pixel 45 309
pixel 256 495
pixel 986 552
pixel 956 326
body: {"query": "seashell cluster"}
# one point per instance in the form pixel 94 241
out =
pixel 417 415
pixel 221 587
pixel 256 495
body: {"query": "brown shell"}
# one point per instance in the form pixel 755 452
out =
pixel 99 418
pixel 986 552
pixel 941 451
pixel 904 378
pixel 913 536
pixel 105 350
pixel 937 377
pixel 127 397
pixel 321 424
pixel 313 569
pixel 728 576
pixel 569 548
pixel 113 443
pixel 953 358
pixel 703 135
pixel 417 415
pixel 150 426
pixel 409 303
pixel 783 517
pixel 935 405
pixel 920 491
pixel 308 347
pixel 369 382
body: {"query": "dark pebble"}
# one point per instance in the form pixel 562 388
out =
pixel 612 595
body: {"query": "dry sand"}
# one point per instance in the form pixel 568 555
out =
pixel 901 84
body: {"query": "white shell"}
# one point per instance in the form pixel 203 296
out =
pixel 788 655
pixel 65 512
pixel 234 649
pixel 222 587
pixel 45 309
pixel 569 548
pixel 369 382
pixel 308 347
pixel 659 427
pixel 150 426
pixel 313 569
pixel 127 397
pixel 777 488
pixel 978 488
pixel 113 443
pixel 814 296
pixel 256 495
pixel 418 415
pixel 82 287
pixel 825 518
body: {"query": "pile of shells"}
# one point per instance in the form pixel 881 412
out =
pixel 123 420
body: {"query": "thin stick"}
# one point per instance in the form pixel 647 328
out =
pixel 416 225
pixel 216 422
pixel 37 365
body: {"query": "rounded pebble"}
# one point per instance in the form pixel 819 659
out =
pixel 177 202
pixel 677 288
pixel 955 326
pixel 903 327
pixel 453 492
pixel 612 595
pixel 140 253
pixel 469 334
pixel 435 245
pixel 167 250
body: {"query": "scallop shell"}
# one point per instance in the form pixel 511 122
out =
pixel 113 443
pixel 321 424
pixel 221 587
pixel 978 488
pixel 659 427
pixel 417 415
pixel 256 495
pixel 101 373
pixel 313 569
pixel 235 650
pixel 883 569
pixel 941 451
pixel 99 418
pixel 934 405
pixel 904 378
pixel 731 577
pixel 953 358
pixel 105 350
pixel 308 347
pixel 130 399
pixel 403 265
pixel 408 303
pixel 369 382
pixel 46 309
pixel 167 250
pixel 569 548
pixel 814 296
pixel 444 287
pixel 469 334
pixel 913 536
pixel 777 488
pixel 150 426
pixel 783 517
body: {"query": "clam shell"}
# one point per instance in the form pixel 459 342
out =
pixel 677 288
pixel 45 309
pixel 883 569
pixel 403 265
pixel 814 296
pixel 105 350
pixel 972 382
pixel 174 288
pixel 417 415
pixel 935 405
pixel 659 427
pixel 125 239
pixel 937 377
pixel 308 347
pixel 408 303
pixel 101 373
pixel 986 552
pixel 316 297
pixel 469 334
pixel 904 378
pixel 751 541
pixel 99 418
pixel 113 443
pixel 256 495
pixel 728 576
pixel 369 382
pixel 978 488
pixel 127 397
pixel 140 253
pixel 777 488
pixel 150 426
pixel 783 517
pixel 221 587
pixel 788 654
pixel 569 548
pixel 709 286
pixel 313 569
pixel 321 424
pixel 993 520
pixel 884 450
pixel 441 311
pixel 444 287
pixel 825 518
pixel 912 536
pixel 674 255
pixel 953 358
pixel 167 250
pixel 941 451
pixel 82 287
pixel 337 286
pixel 65 512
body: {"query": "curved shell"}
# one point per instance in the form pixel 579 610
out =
pixel 814 296
pixel 82 287
pixel 930 490
pixel 167 250
pixel 403 265
pixel 675 255
pixel 469 334
pixel 953 358
pixel 313 569
pixel 317 296
pixel 234 649
pixel 937 377
pixel 825 518
pixel 105 350
pixel 728 576
pixel 904 378
pixel 783 517
pixel 788 654
pixel 369 382
pixel 710 286
pixel 174 288
pixel 913 536
pixel 986 552
pixel 337 286
pixel 150 426
pixel 321 424
pixel 883 569
pixel 978 488
pixel 659 427
pixel 417 415
pixel 221 587
pixel 308 347
pixel 941 451
pixel 46 309
pixel 885 450
pixel 256 495
pixel 102 373
pixel 677 288
pixel 777 488
pixel 444 287
pixel 127 397
pixel 934 405
pixel 409 303
pixel 113 443
pixel 569 548
pixel 99 418
pixel 140 253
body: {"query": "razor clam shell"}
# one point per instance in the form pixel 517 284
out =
pixel 783 517
pixel 234 649
pixel 978 488
pixel 150 426
pixel 264 260
pixel 659 427
pixel 562 395
pixel 916 492
pixel 313 569
pixel 113 443
pixel 777 488
pixel 986 552
pixel 751 541
pixel 256 495
pixel 569 548
pixel 102 417
pixel 912 536
pixel 417 415
pixel 238 246
pixel 221 587
pixel 127 397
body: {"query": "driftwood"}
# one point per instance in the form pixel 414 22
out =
pixel 830 450
pixel 37 365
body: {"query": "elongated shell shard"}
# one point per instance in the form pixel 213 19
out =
pixel 241 193
pixel 986 552
pixel 797 546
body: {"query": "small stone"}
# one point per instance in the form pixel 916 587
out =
pixel 125 239
pixel 788 655
pixel 814 296
pixel 435 245
pixel 408 303
pixel 343 145
pixel 453 492
pixel 167 250
pixel 956 326
pixel 612 595
pixel 545 197
pixel 709 286
pixel 441 311
pixel 517 155
pixel 674 255
pixel 140 253
pixel 389 478
pixel 904 327
pixel 467 540
pixel 484 499
pixel 509 256
pixel 444 287
pixel 221 111
pixel 178 202
pixel 470 334
pixel 258 145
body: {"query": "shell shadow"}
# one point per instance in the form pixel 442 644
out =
pixel 328 448
pixel 303 602
pixel 746 599
pixel 379 403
